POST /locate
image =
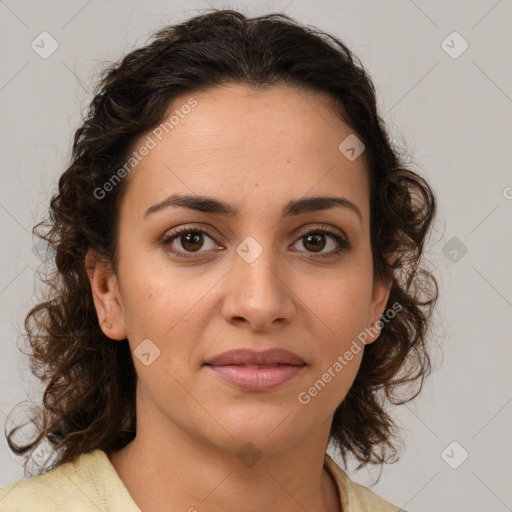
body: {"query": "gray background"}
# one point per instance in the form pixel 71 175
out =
pixel 453 113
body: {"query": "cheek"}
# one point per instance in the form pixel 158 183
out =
pixel 329 385
pixel 339 313
pixel 159 299
pixel 341 305
pixel 147 294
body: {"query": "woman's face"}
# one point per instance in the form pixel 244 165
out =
pixel 261 278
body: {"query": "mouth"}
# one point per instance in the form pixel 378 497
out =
pixel 256 371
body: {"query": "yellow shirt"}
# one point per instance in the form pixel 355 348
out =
pixel 90 483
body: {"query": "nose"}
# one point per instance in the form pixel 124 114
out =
pixel 257 293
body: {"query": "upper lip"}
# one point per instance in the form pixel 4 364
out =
pixel 246 356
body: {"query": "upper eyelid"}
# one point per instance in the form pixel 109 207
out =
pixel 299 232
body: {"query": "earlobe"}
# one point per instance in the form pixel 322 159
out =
pixel 106 297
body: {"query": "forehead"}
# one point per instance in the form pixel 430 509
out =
pixel 275 144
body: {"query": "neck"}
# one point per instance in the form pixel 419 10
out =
pixel 177 472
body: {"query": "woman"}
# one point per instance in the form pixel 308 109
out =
pixel 238 281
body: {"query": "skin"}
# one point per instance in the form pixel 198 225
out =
pixel 256 150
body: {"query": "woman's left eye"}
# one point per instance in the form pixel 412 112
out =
pixel 192 240
pixel 314 239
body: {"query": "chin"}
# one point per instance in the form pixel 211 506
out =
pixel 269 427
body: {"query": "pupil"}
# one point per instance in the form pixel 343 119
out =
pixel 192 238
pixel 317 237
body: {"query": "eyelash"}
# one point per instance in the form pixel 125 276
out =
pixel 343 244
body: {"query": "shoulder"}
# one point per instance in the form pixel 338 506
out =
pixel 87 483
pixel 356 497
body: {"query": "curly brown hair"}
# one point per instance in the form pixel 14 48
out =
pixel 89 398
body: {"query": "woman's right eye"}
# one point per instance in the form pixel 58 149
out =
pixel 191 241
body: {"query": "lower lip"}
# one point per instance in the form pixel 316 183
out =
pixel 256 379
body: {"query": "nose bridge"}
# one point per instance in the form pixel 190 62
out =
pixel 257 293
pixel 256 264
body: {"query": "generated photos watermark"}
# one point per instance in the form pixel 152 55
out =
pixel 304 397
pixel 143 150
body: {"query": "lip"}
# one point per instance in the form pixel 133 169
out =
pixel 247 356
pixel 231 367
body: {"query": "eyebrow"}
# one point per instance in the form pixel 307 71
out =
pixel 295 207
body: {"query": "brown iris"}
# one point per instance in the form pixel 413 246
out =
pixel 192 240
pixel 315 239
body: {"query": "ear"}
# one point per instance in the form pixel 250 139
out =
pixel 106 296
pixel 380 296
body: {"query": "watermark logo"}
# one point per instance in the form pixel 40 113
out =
pixel 43 454
pixel 146 352
pixel 454 249
pixel 249 249
pixel 44 45
pixel 454 455
pixel 249 455
pixel 454 45
pixel 43 251
pixel 351 147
